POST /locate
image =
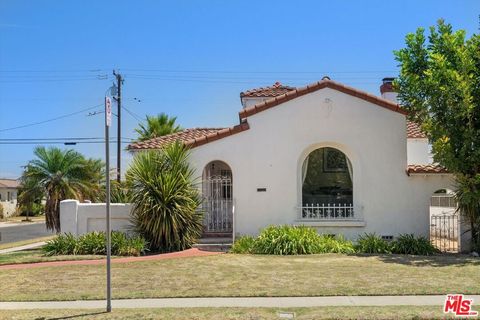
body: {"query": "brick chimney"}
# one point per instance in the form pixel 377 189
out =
pixel 386 89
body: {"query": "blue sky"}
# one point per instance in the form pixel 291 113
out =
pixel 190 59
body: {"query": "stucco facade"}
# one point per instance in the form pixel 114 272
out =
pixel 8 196
pixel 269 156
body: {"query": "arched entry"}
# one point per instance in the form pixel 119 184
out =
pixel 444 221
pixel 217 193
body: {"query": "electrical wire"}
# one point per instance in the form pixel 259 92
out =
pixel 50 120
pixel 131 113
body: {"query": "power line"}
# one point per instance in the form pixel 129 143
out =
pixel 53 71
pixel 50 120
pixel 259 71
pixel 131 113
pixel 62 142
pixel 56 139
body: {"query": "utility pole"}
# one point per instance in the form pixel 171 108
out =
pixel 119 78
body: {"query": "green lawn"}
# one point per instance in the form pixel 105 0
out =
pixel 231 275
pixel 36 255
pixel 398 312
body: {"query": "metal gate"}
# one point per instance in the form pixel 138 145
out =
pixel 445 231
pixel 218 204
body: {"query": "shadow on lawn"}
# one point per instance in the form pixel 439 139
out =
pixel 73 316
pixel 438 260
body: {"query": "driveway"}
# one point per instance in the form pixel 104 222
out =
pixel 23 231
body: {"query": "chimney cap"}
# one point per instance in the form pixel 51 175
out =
pixel 388 79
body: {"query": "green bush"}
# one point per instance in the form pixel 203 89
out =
pixel 2 214
pixel 287 240
pixel 335 244
pixel 372 243
pixel 409 244
pixel 91 243
pixel 243 245
pixel 95 243
pixel 63 244
pixel 35 209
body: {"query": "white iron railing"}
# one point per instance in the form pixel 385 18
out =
pixel 319 211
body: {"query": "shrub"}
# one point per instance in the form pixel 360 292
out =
pixel 2 214
pixel 123 245
pixel 165 198
pixel 63 244
pixel 243 245
pixel 95 243
pixel 335 244
pixel 409 244
pixel 34 209
pixel 287 240
pixel 91 243
pixel 372 243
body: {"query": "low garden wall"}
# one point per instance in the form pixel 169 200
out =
pixel 79 218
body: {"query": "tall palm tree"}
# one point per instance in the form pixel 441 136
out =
pixel 61 174
pixel 157 126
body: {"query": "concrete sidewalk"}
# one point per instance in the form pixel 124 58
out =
pixel 24 247
pixel 268 302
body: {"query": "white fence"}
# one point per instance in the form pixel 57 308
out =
pixel 79 218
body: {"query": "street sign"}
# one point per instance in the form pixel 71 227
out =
pixel 108 111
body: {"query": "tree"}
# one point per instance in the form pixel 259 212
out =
pixel 60 174
pixel 157 126
pixel 439 84
pixel 165 199
pixel 30 196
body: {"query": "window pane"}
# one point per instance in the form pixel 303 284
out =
pixel 327 178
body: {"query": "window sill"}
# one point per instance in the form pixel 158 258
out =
pixel 331 223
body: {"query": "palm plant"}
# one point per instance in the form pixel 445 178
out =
pixel 165 199
pixel 61 174
pixel 157 126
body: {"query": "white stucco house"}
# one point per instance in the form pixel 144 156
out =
pixel 325 155
pixel 8 195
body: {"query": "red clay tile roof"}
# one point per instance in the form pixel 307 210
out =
pixel 272 91
pixel 414 131
pixel 199 136
pixel 290 95
pixel 9 183
pixel 425 169
pixel 190 137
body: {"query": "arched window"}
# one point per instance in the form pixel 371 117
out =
pixel 327 185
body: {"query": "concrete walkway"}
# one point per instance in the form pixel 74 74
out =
pixel 24 247
pixel 268 302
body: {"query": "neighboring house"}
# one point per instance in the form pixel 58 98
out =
pixel 8 195
pixel 326 155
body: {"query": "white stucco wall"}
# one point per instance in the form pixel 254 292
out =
pixel 79 218
pixel 418 151
pixel 9 206
pixel 270 155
